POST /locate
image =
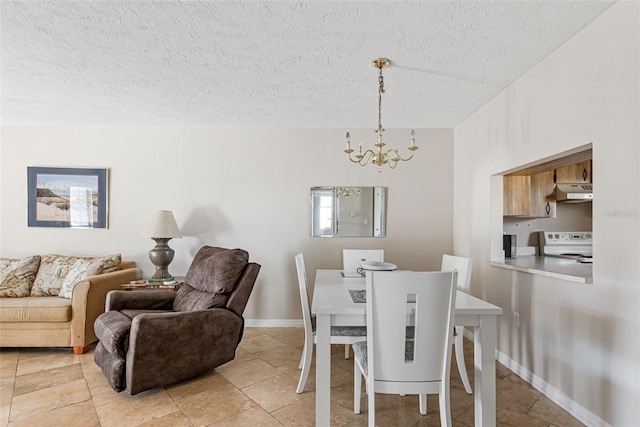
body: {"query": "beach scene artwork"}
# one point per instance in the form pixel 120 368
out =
pixel 67 198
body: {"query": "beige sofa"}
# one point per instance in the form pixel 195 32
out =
pixel 50 321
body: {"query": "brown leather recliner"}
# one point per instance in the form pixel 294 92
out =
pixel 152 339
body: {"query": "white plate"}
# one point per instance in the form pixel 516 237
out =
pixel 378 266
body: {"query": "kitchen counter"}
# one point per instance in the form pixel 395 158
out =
pixel 559 268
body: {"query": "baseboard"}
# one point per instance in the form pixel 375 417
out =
pixel 274 323
pixel 556 396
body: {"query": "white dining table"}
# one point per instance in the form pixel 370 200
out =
pixel 333 306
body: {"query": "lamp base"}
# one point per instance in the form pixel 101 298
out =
pixel 161 256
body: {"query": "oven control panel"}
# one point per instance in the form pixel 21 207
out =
pixel 565 237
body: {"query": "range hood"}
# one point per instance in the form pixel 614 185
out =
pixel 574 193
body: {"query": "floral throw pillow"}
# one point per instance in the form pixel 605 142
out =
pixel 17 276
pixel 81 269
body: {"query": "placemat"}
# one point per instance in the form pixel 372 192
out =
pixel 358 295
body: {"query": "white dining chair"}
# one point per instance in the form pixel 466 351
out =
pixel 351 259
pixel 393 364
pixel 463 267
pixel 346 335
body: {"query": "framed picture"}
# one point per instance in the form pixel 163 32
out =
pixel 67 197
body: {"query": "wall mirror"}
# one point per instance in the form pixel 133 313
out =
pixel 348 211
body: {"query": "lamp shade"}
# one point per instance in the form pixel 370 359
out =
pixel 162 225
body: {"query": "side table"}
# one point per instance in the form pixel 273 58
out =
pixel 145 285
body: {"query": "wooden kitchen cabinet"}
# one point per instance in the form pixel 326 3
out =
pixel 529 196
pixel 573 174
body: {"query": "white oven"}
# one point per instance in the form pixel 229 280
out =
pixel 576 245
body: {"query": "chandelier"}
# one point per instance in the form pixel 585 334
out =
pixel 347 192
pixel 379 156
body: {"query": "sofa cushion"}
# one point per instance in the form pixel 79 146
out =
pixel 35 309
pixel 55 270
pixel 190 299
pixel 216 270
pixel 17 276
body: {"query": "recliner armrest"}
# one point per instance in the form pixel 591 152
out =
pixel 140 300
pixel 196 341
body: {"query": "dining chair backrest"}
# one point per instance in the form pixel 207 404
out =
pixel 462 266
pixel 394 359
pixel 304 293
pixel 351 258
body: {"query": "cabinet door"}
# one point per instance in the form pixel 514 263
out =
pixel 516 195
pixel 573 174
pixel 543 204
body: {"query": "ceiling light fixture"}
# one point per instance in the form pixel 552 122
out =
pixel 379 157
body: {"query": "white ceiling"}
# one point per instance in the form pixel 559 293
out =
pixel 270 64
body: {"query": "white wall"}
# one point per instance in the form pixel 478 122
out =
pixel 246 188
pixel 579 343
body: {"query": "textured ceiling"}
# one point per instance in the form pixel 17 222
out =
pixel 270 64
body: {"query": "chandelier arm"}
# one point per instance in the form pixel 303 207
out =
pixel 393 150
pixel 364 159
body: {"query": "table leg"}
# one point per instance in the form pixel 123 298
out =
pixel 323 369
pixel 485 372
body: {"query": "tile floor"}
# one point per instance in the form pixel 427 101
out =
pixel 53 387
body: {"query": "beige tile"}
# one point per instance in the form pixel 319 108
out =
pixel 259 343
pixel 242 356
pixel 8 357
pixel 174 419
pixel 505 417
pixel 293 337
pixel 302 413
pixel 44 361
pixel 125 410
pixel 546 410
pixel 209 407
pixel 251 372
pixel 81 414
pixel 275 332
pixel 211 381
pixel 251 417
pixel 278 356
pixel 274 393
pixel 7 375
pixel 49 378
pixel 515 396
pixel 48 399
pixel 263 357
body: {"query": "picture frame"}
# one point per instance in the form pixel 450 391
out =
pixel 67 197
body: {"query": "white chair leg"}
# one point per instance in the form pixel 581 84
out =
pixel 304 355
pixel 445 407
pixel 371 402
pixel 307 354
pixel 357 387
pixel 423 404
pixel 346 351
pixel 462 368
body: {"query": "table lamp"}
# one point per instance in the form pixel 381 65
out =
pixel 161 228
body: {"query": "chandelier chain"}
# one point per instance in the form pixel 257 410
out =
pixel 380 92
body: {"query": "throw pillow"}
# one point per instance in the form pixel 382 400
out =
pixel 87 267
pixel 17 276
pixel 54 270
pixel 81 269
